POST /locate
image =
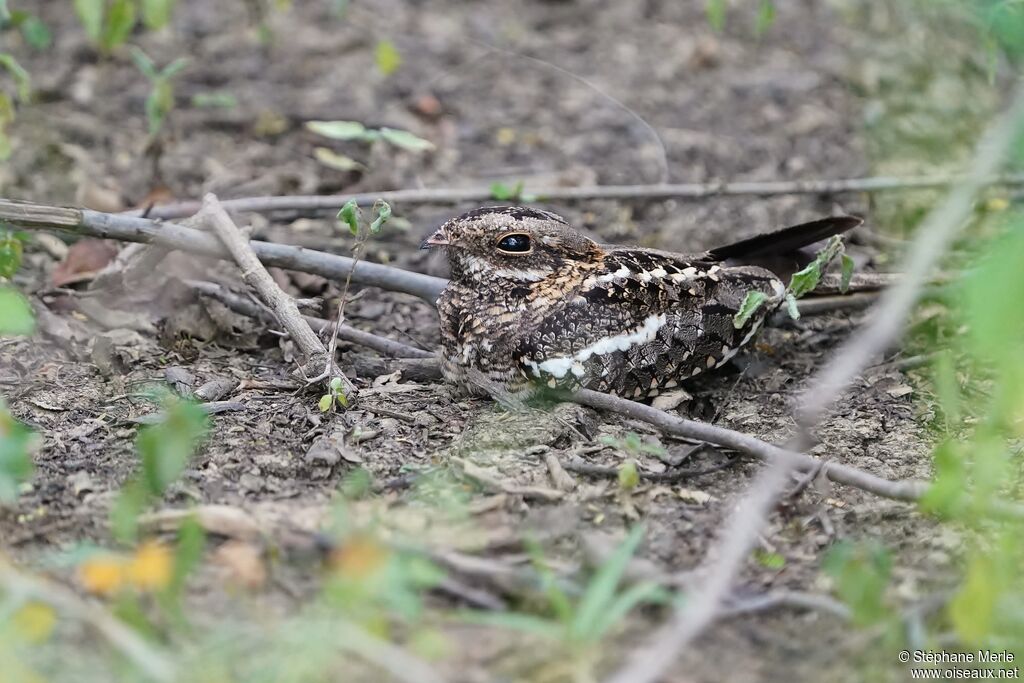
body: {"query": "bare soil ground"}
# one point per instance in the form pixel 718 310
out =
pixel 727 106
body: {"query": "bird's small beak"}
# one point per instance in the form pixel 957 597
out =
pixel 438 239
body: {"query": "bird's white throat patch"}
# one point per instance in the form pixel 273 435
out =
pixel 560 366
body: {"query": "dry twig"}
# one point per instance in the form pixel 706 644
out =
pixel 30 216
pixel 907 490
pixel 256 276
pixel 332 203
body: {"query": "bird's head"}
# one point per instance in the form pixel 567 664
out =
pixel 512 243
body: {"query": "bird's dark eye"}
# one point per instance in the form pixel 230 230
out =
pixel 516 243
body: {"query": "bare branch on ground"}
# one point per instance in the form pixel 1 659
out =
pixel 31 216
pixel 256 276
pixel 661 191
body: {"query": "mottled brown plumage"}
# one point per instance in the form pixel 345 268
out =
pixel 532 301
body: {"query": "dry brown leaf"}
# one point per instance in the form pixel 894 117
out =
pixel 242 564
pixel 223 520
pixel 85 258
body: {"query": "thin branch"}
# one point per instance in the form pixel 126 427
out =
pixel 820 305
pixel 578 465
pixel 332 203
pixel 30 216
pixel 256 276
pixel 785 598
pixel 149 659
pixel 388 347
pixel 906 490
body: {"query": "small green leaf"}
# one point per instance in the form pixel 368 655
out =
pixel 338 130
pixel 6 116
pixel 632 442
pixel 500 192
pixel 847 273
pixel 157 13
pixel 629 476
pixel 973 609
pixel 751 303
pixel 165 448
pixel 715 11
pixel 16 317
pixel 406 140
pixel 15 462
pixel 90 13
pixel 765 17
pixel 804 281
pixel 339 162
pixel 387 57
pixel 349 215
pixel 504 193
pixel 120 21
pixel 126 510
pixel 217 99
pixel 600 592
pixel 550 586
pixel 158 105
pixel 626 601
pixel 342 399
pixel 325 403
pixel 335 384
pixel 10 254
pixel 144 63
pixel 21 78
pixel 383 215
pixel 791 307
pixel 357 484
pixel 36 33
pixel 174 68
pixel 769 560
pixel 189 553
pixel 861 573
pixel 947 495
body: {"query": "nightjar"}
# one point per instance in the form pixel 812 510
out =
pixel 532 301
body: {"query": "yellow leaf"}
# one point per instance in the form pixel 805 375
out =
pixel 359 558
pixel 152 567
pixel 387 57
pixel 102 575
pixel 35 621
pixel 331 159
pixel 997 204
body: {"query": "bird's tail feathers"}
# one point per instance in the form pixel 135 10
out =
pixel 786 240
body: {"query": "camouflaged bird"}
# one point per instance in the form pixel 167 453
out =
pixel 533 301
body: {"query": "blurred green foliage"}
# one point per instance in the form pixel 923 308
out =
pixel 928 95
pixel 109 23
pixel 164 450
pixel 160 101
pixel 578 626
